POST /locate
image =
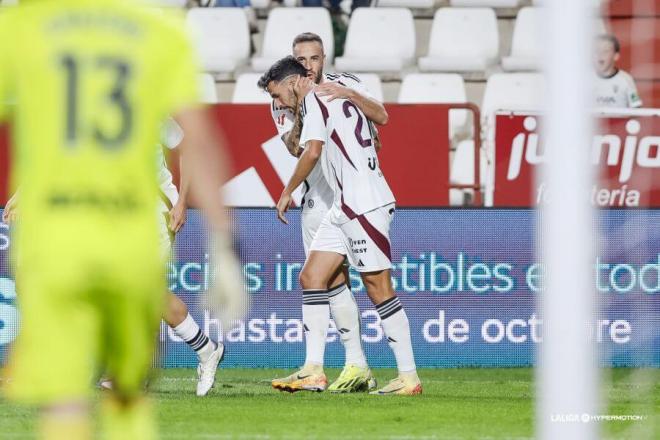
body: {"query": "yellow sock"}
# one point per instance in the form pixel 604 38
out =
pixel 65 426
pixel 127 421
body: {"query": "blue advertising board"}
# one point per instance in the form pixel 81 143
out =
pixel 467 279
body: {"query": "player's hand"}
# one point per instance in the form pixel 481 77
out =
pixel 177 216
pixel 283 206
pixel 226 295
pixel 301 87
pixel 333 90
pixel 10 212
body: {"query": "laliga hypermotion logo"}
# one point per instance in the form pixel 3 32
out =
pixel 624 153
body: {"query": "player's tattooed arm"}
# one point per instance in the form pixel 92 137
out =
pixel 292 137
pixel 304 167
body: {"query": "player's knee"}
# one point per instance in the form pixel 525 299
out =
pixel 309 280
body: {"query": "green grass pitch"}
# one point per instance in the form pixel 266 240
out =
pixel 456 404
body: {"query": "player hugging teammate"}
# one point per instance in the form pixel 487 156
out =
pixel 325 120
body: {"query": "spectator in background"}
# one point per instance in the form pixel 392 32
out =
pixel 614 87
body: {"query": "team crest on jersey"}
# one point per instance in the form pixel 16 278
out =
pixel 310 203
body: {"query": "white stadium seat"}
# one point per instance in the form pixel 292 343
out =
pixel 525 45
pixel 405 3
pixel 222 37
pixel 419 88
pixel 260 4
pixel 373 84
pixel 247 92
pixel 486 3
pixel 207 88
pixel 378 40
pixel 170 3
pixel 512 91
pixel 462 40
pixel 282 27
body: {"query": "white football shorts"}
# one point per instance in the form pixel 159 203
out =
pixel 365 240
pixel 310 221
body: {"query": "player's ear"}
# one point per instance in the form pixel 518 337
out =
pixel 616 56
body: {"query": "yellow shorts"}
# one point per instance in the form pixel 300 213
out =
pixel 83 313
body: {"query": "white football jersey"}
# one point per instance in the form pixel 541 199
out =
pixel 617 90
pixel 171 137
pixel 317 194
pixel 349 160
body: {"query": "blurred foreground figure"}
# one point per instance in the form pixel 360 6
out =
pixel 92 82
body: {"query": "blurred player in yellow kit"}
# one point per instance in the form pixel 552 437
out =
pixel 91 82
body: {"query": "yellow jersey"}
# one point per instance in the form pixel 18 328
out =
pixel 86 85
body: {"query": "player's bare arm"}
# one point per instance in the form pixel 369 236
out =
pixel 292 137
pixel 304 167
pixel 178 212
pixel 372 109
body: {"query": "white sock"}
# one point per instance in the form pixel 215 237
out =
pixel 316 319
pixel 346 314
pixel 397 329
pixel 192 335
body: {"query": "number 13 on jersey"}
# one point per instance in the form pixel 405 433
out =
pixel 110 121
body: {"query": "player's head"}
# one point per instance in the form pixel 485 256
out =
pixel 278 81
pixel 607 53
pixel 308 50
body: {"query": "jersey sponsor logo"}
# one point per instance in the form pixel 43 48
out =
pixel 120 202
pixel 358 246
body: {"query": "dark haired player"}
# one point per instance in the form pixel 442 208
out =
pixel 357 225
pixel 356 376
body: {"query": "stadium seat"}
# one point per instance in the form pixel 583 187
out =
pixel 260 4
pixel 171 3
pixel 222 37
pixel 486 3
pixel 462 40
pixel 404 3
pixel 207 89
pixel 461 171
pixel 284 24
pixel 512 91
pixel 247 92
pixel 525 45
pixel 436 88
pixel 379 40
pixel 373 84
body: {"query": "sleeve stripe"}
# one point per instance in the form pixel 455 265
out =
pixel 351 76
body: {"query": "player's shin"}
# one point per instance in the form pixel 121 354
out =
pixel 346 314
pixel 316 319
pixel 192 335
pixel 397 330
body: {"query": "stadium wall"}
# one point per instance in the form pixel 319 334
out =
pixel 467 278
